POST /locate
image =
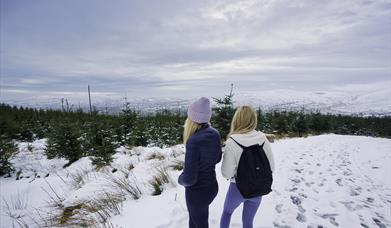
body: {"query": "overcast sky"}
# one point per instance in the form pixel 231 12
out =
pixel 177 48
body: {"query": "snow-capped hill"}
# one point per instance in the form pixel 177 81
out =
pixel 349 101
pixel 371 103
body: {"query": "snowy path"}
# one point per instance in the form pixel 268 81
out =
pixel 322 181
pixel 327 186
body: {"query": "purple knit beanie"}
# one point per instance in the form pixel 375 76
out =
pixel 200 111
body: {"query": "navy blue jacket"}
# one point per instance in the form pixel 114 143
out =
pixel 203 152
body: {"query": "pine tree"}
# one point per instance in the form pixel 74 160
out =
pixel 128 124
pixel 261 120
pixel 64 142
pixel 141 136
pixel 224 112
pixel 300 124
pixel 7 148
pixel 102 145
pixel 319 123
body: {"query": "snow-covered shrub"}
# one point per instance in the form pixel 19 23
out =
pixel 160 179
pixel 128 185
pixel 78 178
pixel 177 165
pixel 93 212
pixel 157 156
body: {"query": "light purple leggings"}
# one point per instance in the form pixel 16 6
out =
pixel 232 201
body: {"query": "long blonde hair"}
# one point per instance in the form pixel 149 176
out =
pixel 190 128
pixel 244 120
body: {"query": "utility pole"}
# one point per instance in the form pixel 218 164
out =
pixel 89 98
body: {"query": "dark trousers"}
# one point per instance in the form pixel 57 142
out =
pixel 198 201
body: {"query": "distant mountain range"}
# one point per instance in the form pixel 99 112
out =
pixel 369 103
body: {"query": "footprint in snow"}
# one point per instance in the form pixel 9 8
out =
pixel 350 205
pixel 278 208
pixel 298 170
pixel 327 215
pixel 370 199
pixel 346 173
pixel 303 195
pixel 355 191
pixel 332 221
pixel 296 181
pixel 296 200
pixel 339 181
pixel 276 225
pixel 379 223
pixel 301 217
pixel 301 209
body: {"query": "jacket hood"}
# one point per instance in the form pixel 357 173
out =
pixel 251 138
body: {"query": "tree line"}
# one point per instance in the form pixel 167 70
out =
pixel 73 134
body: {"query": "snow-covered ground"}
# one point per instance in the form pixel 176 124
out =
pixel 321 181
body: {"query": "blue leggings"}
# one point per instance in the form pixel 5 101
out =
pixel 232 201
pixel 197 202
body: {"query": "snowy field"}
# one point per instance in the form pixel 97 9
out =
pixel 321 181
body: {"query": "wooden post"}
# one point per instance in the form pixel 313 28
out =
pixel 89 98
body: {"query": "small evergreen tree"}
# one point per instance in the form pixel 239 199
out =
pixel 99 142
pixel 261 120
pixel 300 124
pixel 280 121
pixel 64 142
pixel 319 123
pixel 128 123
pixel 7 148
pixel 224 112
pixel 141 136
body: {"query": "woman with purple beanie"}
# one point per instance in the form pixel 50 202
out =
pixel 203 152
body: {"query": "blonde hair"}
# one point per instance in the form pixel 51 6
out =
pixel 190 128
pixel 244 120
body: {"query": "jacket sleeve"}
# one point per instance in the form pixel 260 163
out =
pixel 220 152
pixel 228 167
pixel 189 175
pixel 269 154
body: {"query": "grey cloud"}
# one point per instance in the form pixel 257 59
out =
pixel 165 47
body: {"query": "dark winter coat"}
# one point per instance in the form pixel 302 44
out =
pixel 203 152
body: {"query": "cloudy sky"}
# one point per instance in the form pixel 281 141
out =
pixel 178 48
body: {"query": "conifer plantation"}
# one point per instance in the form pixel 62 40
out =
pixel 73 134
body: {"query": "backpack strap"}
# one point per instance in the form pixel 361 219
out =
pixel 241 144
pixel 238 143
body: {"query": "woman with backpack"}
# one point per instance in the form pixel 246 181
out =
pixel 243 135
pixel 203 152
